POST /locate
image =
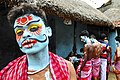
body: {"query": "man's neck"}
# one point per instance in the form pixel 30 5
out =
pixel 38 61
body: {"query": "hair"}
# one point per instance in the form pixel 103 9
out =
pixel 23 9
pixel 102 36
pixel 84 33
pixel 81 50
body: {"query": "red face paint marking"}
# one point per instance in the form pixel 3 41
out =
pixel 24 20
pixel 38 31
pixel 18 37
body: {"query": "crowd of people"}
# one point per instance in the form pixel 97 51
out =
pixel 97 58
pixel 32 35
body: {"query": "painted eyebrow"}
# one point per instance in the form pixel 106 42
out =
pixel 33 22
pixel 18 27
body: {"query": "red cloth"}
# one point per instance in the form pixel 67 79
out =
pixel 17 69
pixel 86 73
pixel 96 67
pixel 117 66
pixel 59 68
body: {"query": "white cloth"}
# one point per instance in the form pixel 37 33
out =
pixel 103 68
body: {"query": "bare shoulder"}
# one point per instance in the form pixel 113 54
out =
pixel 71 70
pixel 69 63
pixel 118 48
pixel 70 66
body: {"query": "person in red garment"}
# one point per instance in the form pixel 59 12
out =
pixel 96 60
pixel 116 64
pixel 84 70
pixel 38 63
pixel 104 56
pixel 96 57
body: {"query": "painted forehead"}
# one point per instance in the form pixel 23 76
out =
pixel 26 19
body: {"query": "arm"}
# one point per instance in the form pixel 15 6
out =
pixel 71 71
pixel 109 51
pixel 83 64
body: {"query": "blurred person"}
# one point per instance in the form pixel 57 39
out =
pixel 103 56
pixel 84 70
pixel 84 37
pixel 96 61
pixel 116 64
pixel 109 59
pixel 96 57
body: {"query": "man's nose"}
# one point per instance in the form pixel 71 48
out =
pixel 26 34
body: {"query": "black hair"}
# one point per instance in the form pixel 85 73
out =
pixel 84 33
pixel 23 9
pixel 81 50
pixel 103 36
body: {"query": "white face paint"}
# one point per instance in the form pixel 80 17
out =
pixel 83 38
pixel 31 33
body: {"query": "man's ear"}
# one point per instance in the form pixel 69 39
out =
pixel 49 31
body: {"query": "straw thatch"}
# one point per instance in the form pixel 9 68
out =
pixel 72 9
pixel 114 15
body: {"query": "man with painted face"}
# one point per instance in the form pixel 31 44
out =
pixel 84 36
pixel 32 34
pixel 84 70
pixel 103 57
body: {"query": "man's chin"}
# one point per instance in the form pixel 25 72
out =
pixel 28 50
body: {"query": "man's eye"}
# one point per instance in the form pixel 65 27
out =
pixel 19 32
pixel 33 28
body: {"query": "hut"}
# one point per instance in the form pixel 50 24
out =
pixel 67 18
pixel 70 9
pixel 114 15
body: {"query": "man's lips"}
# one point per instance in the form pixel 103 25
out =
pixel 29 43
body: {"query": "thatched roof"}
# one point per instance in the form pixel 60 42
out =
pixel 114 15
pixel 73 9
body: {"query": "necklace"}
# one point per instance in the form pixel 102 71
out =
pixel 41 75
pixel 36 71
pixel 30 78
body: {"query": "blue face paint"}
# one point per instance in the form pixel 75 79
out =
pixel 32 38
pixel 30 34
pixel 85 39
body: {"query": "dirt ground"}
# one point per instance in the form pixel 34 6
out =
pixel 111 76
